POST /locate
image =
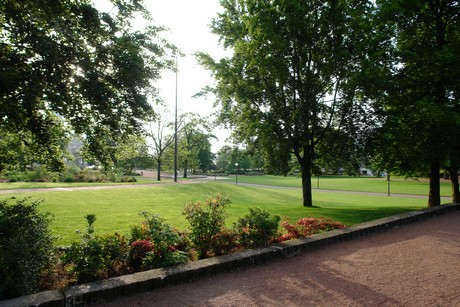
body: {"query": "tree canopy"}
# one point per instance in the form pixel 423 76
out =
pixel 289 80
pixel 65 66
pixel 422 108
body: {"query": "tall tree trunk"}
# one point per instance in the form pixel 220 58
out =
pixel 434 198
pixel 159 170
pixel 185 168
pixel 453 170
pixel 305 167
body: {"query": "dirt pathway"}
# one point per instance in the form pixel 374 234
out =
pixel 414 265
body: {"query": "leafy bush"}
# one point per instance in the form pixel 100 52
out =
pixel 225 241
pixel 206 221
pixel 26 247
pixel 154 244
pixel 128 179
pixel 115 176
pixel 89 175
pixel 309 226
pixel 94 257
pixel 257 228
pixel 138 251
pixel 39 174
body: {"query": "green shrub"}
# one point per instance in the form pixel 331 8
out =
pixel 68 179
pixel 128 179
pixel 206 220
pixel 39 174
pixel 114 176
pixel 94 257
pixel 16 176
pixel 85 175
pixel 257 228
pixel 154 244
pixel 26 246
pixel 70 173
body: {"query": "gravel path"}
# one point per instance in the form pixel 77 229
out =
pixel 414 265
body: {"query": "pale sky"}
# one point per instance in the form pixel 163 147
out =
pixel 188 23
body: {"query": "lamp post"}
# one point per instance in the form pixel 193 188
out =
pixel 236 165
pixel 175 131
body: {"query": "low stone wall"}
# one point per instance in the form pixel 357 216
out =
pixel 110 289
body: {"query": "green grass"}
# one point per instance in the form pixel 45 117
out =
pixel 344 183
pixel 42 185
pixel 117 209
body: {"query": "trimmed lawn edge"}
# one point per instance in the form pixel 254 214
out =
pixel 112 288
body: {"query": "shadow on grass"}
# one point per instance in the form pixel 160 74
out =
pixel 352 216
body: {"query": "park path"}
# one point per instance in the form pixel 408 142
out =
pixel 413 265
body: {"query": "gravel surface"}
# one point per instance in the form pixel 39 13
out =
pixel 414 265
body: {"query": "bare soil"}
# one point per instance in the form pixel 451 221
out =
pixel 414 265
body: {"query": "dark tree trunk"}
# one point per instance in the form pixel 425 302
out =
pixel 185 168
pixel 305 167
pixel 434 198
pixel 159 170
pixel 453 170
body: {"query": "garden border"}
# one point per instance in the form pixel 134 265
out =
pixel 112 288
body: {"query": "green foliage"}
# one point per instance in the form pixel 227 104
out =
pixel 67 66
pixel 257 228
pixel 154 243
pixel 128 179
pixel 291 77
pixel 194 142
pixel 420 131
pixel 70 174
pixel 206 220
pixel 94 257
pixel 26 246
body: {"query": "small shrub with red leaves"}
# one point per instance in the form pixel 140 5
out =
pixel 308 226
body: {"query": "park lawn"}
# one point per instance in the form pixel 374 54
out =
pixel 117 210
pixel 345 183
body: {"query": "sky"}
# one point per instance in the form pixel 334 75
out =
pixel 188 24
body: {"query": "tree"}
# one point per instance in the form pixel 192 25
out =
pixel 161 140
pixel 205 157
pixel 194 136
pixel 18 151
pixel 132 153
pixel 289 79
pixel 223 158
pixel 423 109
pixel 66 66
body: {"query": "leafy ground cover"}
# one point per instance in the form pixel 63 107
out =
pixel 118 209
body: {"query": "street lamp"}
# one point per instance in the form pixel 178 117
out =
pixel 175 131
pixel 236 165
